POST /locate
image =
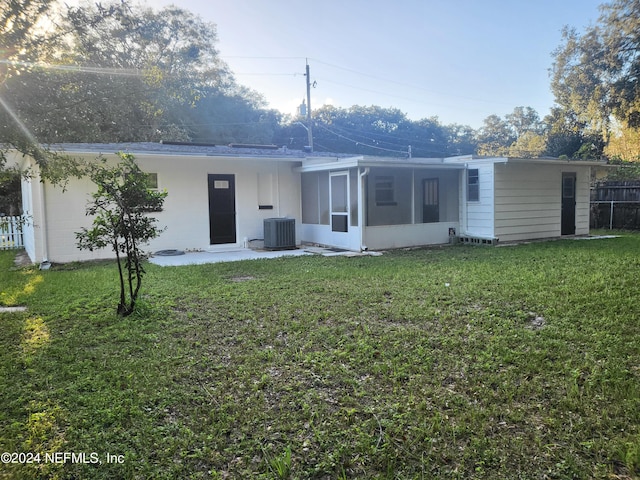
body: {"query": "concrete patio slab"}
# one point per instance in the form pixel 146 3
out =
pixel 201 258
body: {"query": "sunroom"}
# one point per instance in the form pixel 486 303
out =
pixel 362 203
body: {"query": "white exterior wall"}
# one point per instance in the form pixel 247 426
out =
pixel 528 203
pixel 322 235
pixel 416 233
pixel 28 229
pixel 186 209
pixel 400 236
pixel 583 198
pixel 319 211
pixel 395 225
pixel 477 218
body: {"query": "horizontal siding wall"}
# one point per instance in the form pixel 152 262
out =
pixel 528 201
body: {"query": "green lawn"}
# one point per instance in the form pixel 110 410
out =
pixel 459 362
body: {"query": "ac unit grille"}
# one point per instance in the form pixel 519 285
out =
pixel 279 233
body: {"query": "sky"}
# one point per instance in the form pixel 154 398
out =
pixel 458 60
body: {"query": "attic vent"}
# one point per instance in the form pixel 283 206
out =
pixel 279 233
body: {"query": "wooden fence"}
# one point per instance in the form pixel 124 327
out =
pixel 11 232
pixel 616 205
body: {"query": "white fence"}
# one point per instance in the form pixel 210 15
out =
pixel 11 232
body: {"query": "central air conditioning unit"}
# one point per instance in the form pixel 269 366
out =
pixel 279 233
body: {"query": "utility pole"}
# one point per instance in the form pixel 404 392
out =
pixel 309 131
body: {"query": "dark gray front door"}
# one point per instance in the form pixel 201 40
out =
pixel 568 204
pixel 222 209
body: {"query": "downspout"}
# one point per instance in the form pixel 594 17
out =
pixel 277 188
pixel 361 207
pixel 465 205
pixel 44 265
pixel 413 196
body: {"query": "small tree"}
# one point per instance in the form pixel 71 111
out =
pixel 121 206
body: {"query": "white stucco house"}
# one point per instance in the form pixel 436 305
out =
pixel 219 197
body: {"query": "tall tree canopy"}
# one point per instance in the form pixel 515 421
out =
pixel 595 74
pixel 520 134
pixel 118 71
pixel 118 74
pixel 374 130
pixel 123 72
pixel 23 38
pixel 20 35
pixel 495 136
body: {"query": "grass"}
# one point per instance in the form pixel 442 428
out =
pixel 460 362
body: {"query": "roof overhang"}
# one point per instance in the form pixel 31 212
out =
pixel 319 165
pixel 158 150
pixel 558 161
pixel 472 159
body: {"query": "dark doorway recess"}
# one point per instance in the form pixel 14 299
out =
pixel 222 209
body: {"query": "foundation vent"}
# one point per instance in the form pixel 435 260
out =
pixel 469 240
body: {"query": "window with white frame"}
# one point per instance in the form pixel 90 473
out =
pixel 152 181
pixel 384 191
pixel 473 185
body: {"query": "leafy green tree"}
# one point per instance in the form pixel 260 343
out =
pixel 10 192
pixel 579 80
pixel 121 207
pixel 366 130
pixel 495 137
pixel 232 117
pixel 620 33
pixel 564 133
pixel 624 171
pixel 429 138
pixel 528 145
pixel 374 130
pixel 23 38
pixel 21 32
pixel 595 74
pixel 118 72
pixel 460 139
pixel 624 144
pixel 524 120
pixel 520 134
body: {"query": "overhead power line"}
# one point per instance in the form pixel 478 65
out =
pixel 356 142
pixel 392 136
pixel 402 84
pixel 380 79
pixel 268 74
